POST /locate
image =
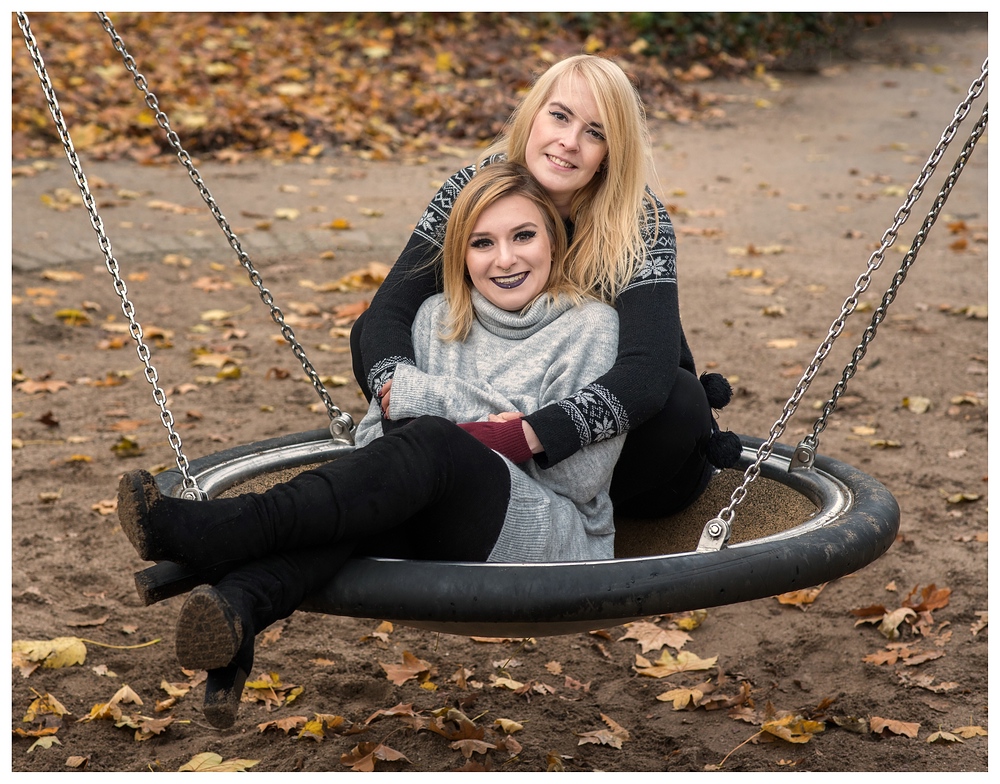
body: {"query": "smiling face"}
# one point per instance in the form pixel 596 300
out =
pixel 509 255
pixel 567 143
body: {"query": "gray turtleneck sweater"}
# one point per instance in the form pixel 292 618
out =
pixel 520 362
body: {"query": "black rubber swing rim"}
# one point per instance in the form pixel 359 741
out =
pixel 532 600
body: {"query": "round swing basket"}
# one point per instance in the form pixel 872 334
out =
pixel 850 519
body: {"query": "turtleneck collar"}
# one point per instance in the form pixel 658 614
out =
pixel 518 325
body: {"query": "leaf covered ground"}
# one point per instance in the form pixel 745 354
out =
pixel 779 196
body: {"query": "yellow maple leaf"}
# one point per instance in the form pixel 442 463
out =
pixel 969 731
pixel 681 697
pixel 55 653
pixel 669 665
pixel 210 761
pixel 794 729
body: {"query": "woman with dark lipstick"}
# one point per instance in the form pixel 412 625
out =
pixel 581 132
pixel 510 333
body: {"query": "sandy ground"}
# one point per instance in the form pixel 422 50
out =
pixel 778 206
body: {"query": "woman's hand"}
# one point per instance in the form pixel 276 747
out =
pixel 383 397
pixel 529 434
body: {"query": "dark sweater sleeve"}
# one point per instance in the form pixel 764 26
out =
pixel 387 337
pixel 651 348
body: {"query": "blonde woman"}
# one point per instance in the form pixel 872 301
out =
pixel 511 333
pixel 581 132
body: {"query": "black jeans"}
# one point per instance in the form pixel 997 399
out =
pixel 662 468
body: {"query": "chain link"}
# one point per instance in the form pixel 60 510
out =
pixel 341 423
pixel 807 449
pixel 190 486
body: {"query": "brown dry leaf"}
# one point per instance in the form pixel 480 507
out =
pixel 382 632
pixel 740 272
pixel 668 665
pixel 369 277
pixel 397 710
pixel 614 736
pixel 470 746
pixel 960 498
pixel 505 683
pixel 210 762
pixel 61 276
pixel 55 653
pixel 45 743
pixel 943 737
pixel 970 731
pixel 682 698
pixel 881 726
pixel 76 761
pixel 802 597
pixel 348 314
pixel 794 729
pixel 690 621
pixel 782 343
pixel 45 705
pixel 30 387
pixel 412 667
pixel 889 626
pixel 167 206
pixel 362 757
pixel 917 404
pixel 652 637
pixel 214 360
pixel 509 726
pixel 930 598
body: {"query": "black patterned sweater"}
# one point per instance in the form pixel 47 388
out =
pixel 651 343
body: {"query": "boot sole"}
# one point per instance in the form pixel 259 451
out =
pixel 209 631
pixel 134 492
pixel 223 693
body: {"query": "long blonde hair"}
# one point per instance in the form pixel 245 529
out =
pixel 489 185
pixel 608 213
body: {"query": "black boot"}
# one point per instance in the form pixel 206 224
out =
pixel 217 625
pixel 365 493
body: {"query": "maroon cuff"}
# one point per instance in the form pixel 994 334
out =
pixel 507 438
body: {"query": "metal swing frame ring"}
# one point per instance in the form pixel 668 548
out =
pixel 856 522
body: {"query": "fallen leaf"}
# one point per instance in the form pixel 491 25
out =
pixel 889 627
pixel 782 343
pixel 614 736
pixel 916 404
pixel 668 665
pixel 802 597
pixel 793 729
pixel 362 757
pixel 53 654
pixel 209 761
pixel 652 637
pixel 880 726
pixel 411 668
pixel 970 731
pixel 30 387
pixel 943 737
pixel 682 698
pixel 61 276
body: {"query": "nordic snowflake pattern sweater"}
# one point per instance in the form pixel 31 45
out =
pixel 651 345
pixel 519 362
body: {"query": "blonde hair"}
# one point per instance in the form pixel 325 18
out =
pixel 488 186
pixel 608 213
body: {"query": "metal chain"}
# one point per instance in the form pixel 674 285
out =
pixel 190 486
pixel 341 423
pixel 879 315
pixel 810 444
pixel 717 530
